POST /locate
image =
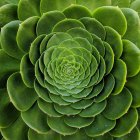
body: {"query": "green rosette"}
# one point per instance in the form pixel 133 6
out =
pixel 70 70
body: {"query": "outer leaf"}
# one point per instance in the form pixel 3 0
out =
pixel 36 119
pixel 116 18
pixel 30 8
pixel 8 39
pixel 8 65
pixel 21 96
pixel 123 126
pixel 50 135
pixel 7 13
pixel 19 127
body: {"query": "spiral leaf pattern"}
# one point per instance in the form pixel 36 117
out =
pixel 70 70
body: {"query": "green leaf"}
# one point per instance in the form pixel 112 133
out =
pixel 98 43
pixel 133 33
pixel 27 33
pixel 8 13
pixel 136 6
pixel 133 85
pixel 79 32
pixel 6 109
pixel 47 22
pixel 48 108
pixel 82 104
pixel 94 109
pixel 123 126
pixel 8 39
pixel 66 110
pixel 134 134
pixel 93 4
pixel 58 100
pixel 67 24
pixel 114 40
pixel 96 90
pixel 109 83
pixel 27 71
pixel 77 12
pixel 84 43
pixel 50 135
pixel 94 26
pixel 120 3
pixel 33 9
pixel 119 72
pixel 116 18
pixel 79 135
pixel 77 121
pixel 56 39
pixel 12 1
pixel 117 106
pixel 34 52
pixel 21 96
pixel 42 92
pixel 8 65
pixel 36 119
pixel 100 126
pixel 58 125
pixel 107 136
pixel 17 126
pixel 131 54
pixel 47 5
pixel 102 69
pixel 109 58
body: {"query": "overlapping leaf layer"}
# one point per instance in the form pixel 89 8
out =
pixel 70 70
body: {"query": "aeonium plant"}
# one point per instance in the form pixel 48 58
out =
pixel 70 70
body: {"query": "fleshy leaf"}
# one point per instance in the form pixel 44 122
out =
pixel 27 33
pixel 109 83
pixel 50 135
pixel 8 65
pixel 100 126
pixel 67 24
pixel 47 5
pixel 119 72
pixel 78 122
pixel 133 33
pixel 30 8
pixel 123 126
pixel 117 106
pixel 121 3
pixel 36 119
pixel 77 12
pixel 6 109
pixel 93 4
pixel 34 52
pixel 134 134
pixel 19 127
pixel 116 18
pixel 8 39
pixel 8 13
pixel 94 109
pixel 79 135
pixel 94 26
pixel 133 85
pixel 21 96
pixel 59 126
pixel 48 108
pixel 114 40
pixel 27 71
pixel 66 110
pixel 130 55
pixel 47 21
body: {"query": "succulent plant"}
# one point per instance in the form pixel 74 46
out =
pixel 70 70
